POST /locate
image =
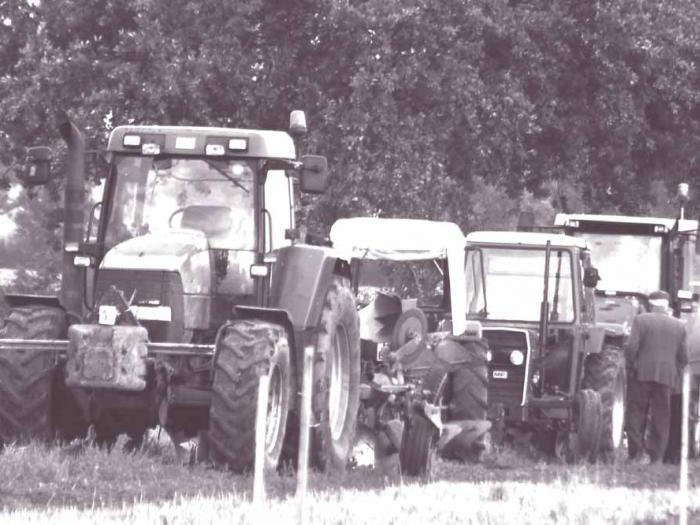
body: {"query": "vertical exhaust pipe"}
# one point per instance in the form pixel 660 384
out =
pixel 71 296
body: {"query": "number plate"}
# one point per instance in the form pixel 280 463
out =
pixel 108 314
pixel 500 374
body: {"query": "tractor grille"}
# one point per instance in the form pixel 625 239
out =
pixel 506 379
pixel 148 287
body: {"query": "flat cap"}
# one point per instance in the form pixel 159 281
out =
pixel 659 295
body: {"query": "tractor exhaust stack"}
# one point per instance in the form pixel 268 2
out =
pixel 71 297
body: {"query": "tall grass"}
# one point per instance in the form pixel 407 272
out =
pixel 40 484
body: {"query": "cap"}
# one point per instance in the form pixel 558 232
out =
pixel 659 295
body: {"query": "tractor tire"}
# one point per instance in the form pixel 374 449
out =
pixel 467 392
pixel 245 351
pixel 606 374
pixel 336 385
pixel 582 442
pixel 420 437
pixel 27 376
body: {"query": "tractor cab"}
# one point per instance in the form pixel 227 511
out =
pixel 533 293
pixel 635 256
pixel 186 218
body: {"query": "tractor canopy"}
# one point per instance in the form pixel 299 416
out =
pixel 382 239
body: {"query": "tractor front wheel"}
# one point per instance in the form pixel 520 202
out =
pixel 26 376
pixel 245 351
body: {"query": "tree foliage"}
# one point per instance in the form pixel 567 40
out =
pixel 462 110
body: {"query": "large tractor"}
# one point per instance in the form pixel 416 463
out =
pixel 553 374
pixel 635 256
pixel 424 372
pixel 183 287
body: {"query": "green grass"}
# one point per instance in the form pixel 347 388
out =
pixel 54 485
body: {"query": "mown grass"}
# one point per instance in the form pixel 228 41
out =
pixel 40 484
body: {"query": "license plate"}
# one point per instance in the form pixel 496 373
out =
pixel 500 374
pixel 108 314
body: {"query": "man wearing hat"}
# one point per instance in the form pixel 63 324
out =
pixel 657 352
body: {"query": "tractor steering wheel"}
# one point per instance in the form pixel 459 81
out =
pixel 172 215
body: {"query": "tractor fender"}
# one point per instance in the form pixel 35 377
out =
pixel 300 277
pixel 274 315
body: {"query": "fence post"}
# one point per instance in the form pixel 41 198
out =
pixel 304 432
pixel 683 496
pixel 260 431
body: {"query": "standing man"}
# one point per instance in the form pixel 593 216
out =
pixel 657 352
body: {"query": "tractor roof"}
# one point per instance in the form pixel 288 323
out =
pixel 190 140
pixel 565 219
pixel 531 239
pixel 395 239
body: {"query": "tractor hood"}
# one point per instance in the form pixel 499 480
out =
pixel 183 251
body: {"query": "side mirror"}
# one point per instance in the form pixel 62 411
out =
pixel 38 166
pixel 314 174
pixel 590 277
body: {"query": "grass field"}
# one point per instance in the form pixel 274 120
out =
pixel 56 485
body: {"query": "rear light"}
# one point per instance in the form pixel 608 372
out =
pixel 82 261
pixel 131 140
pixel 185 142
pixel 240 144
pixel 259 270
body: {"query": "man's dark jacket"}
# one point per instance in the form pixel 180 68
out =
pixel 657 348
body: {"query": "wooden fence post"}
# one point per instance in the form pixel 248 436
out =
pixel 304 432
pixel 260 431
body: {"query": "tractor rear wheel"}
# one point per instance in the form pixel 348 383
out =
pixel 606 374
pixel 26 376
pixel 336 386
pixel 245 351
pixel 420 437
pixel 467 392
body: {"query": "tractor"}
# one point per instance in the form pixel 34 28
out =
pixel 424 383
pixel 661 251
pixel 554 377
pixel 185 285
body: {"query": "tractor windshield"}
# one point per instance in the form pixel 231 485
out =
pixel 155 195
pixel 420 280
pixel 507 284
pixel 626 263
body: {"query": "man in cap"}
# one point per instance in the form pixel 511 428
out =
pixel 657 352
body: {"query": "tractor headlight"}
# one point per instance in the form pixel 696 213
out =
pixel 517 357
